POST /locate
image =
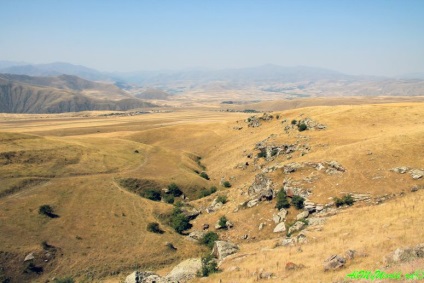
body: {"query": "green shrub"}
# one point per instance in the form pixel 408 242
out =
pixel 298 201
pixel 213 189
pixel 302 127
pixel 64 280
pixel 151 194
pixel 204 175
pixel 174 190
pixel 47 210
pixel 180 223
pixel 154 228
pixel 223 222
pixel 204 192
pixel 282 200
pixel 294 122
pixel 227 184
pixel 348 199
pixel 169 198
pixel 222 199
pixel 209 266
pixel 262 154
pixel 209 239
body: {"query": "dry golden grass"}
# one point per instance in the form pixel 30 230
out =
pixel 102 228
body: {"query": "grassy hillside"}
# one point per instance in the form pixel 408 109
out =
pixel 75 164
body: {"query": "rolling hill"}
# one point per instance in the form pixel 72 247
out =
pixel 26 94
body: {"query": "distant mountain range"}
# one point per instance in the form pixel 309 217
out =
pixel 65 93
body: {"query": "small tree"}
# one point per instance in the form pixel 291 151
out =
pixel 209 266
pixel 209 239
pixel 298 201
pixel 154 228
pixel 169 198
pixel 221 199
pixel 293 122
pixel 302 127
pixel 348 199
pixel 174 190
pixel 227 184
pixel 223 222
pixel 204 175
pixel 47 210
pixel 151 194
pixel 180 223
pixel 282 200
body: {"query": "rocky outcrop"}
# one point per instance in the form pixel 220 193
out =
pixel 415 173
pixel 280 216
pixel 144 277
pixel 302 215
pixel 261 189
pixel 299 225
pixel 222 249
pixel 334 262
pixel 190 212
pixel 406 254
pixel 185 270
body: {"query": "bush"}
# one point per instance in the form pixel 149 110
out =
pixel 282 200
pixel 347 199
pixel 204 175
pixel 154 228
pixel 174 190
pixel 204 192
pixel 294 122
pixel 209 266
pixel 223 222
pixel 180 222
pixel 297 201
pixel 151 194
pixel 302 127
pixel 262 154
pixel 169 198
pixel 64 280
pixel 47 210
pixel 209 239
pixel 222 199
pixel 227 184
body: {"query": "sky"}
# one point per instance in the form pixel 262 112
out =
pixel 360 37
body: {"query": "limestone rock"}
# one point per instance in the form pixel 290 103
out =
pixel 296 227
pixel 280 216
pixel 185 270
pixel 302 215
pixel 190 212
pixel 400 170
pixel 29 257
pixel 416 174
pixel 196 235
pixel 314 221
pixel 140 277
pixel 252 203
pixel 280 228
pixel 406 254
pixel 222 249
pixel 261 187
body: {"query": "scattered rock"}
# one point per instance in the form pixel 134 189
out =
pixel 280 228
pixel 196 235
pixel 414 189
pixel 302 215
pixel 299 225
pixel 336 165
pixel 266 275
pixel 29 257
pixel 233 268
pixel 406 254
pixel 237 128
pixel 292 266
pixel 262 186
pixel 314 221
pixel 141 277
pixel 350 254
pixel 334 262
pixel 416 174
pixel 222 249
pixel 205 226
pixel 190 212
pixel 185 270
pixel 253 122
pixel 288 242
pixel 280 216
pixel 252 203
pixel 301 238
pixel 291 167
pixel 261 226
pixel 400 170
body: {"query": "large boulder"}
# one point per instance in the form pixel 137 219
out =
pixel 416 174
pixel 222 249
pixel 302 215
pixel 185 270
pixel 190 212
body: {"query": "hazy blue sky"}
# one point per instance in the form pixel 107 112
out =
pixel 352 36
